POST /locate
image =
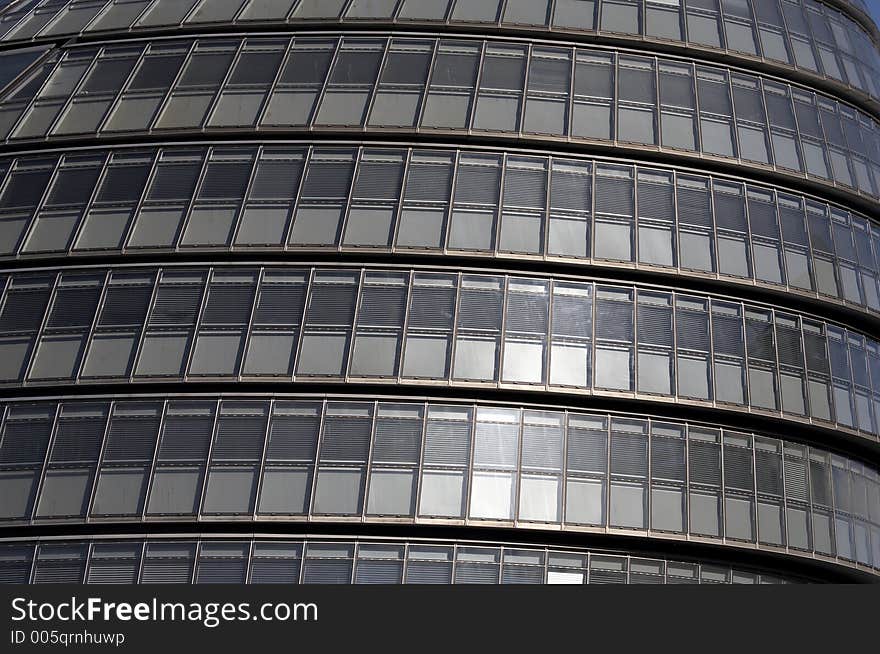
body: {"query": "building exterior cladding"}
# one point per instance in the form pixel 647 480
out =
pixel 505 291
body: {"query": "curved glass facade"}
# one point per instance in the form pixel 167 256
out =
pixel 596 281
pixel 401 461
pixel 813 38
pixel 437 328
pixel 466 86
pixel 355 561
pixel 515 205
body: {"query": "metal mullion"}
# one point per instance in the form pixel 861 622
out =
pixel 518 469
pixel 404 328
pixel 27 70
pixel 240 11
pixel 80 225
pixel 5 287
pixel 190 204
pixel 42 471
pixel 29 104
pixel 570 100
pixel 548 344
pixel 117 98
pixel 304 543
pixel 591 218
pixel 811 538
pixel 155 157
pixel 649 477
pixel 39 332
pixel 294 201
pixel 832 504
pixel 143 11
pixel 563 479
pixel 346 210
pixel 545 219
pixel 407 163
pixel 810 252
pixel 687 481
pixel 273 85
pixel 212 107
pixel 615 98
pixel 62 11
pixel 319 442
pixel 101 12
pixel 723 489
pixel 368 469
pixel 454 332
pixel 502 329
pixel 270 408
pixel 99 460
pixel 30 14
pixel 455 547
pixel 163 412
pixel 362 275
pixel 140 562
pixel 146 10
pixel 674 310
pixel 374 88
pixel 250 324
pixel 636 346
pixel 747 395
pixel 32 222
pixel 766 128
pixel 172 86
pixel 344 10
pixel 218 403
pixel 85 207
pixel 587 560
pixel 606 519
pixel 239 212
pixel 4 415
pixel 287 16
pixel 777 373
pixel 74 93
pixel 496 238
pixel 322 90
pixel 469 470
pixel 808 374
pixel 477 81
pixel 142 330
pixel 420 469
pixel 594 300
pixel 434 50
pixel 189 14
pixel 248 561
pixel 450 207
pixel 197 556
pixel 784 494
pixel 33 567
pixel 207 156
pixel 209 278
pixel 755 495
pixel 10 9
pixel 524 93
pixel 310 272
pixel 405 566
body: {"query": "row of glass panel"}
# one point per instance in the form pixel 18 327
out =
pixel 256 459
pixel 284 196
pixel 272 561
pixel 472 85
pixel 88 326
pixel 807 35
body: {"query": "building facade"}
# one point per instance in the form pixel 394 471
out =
pixel 449 291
